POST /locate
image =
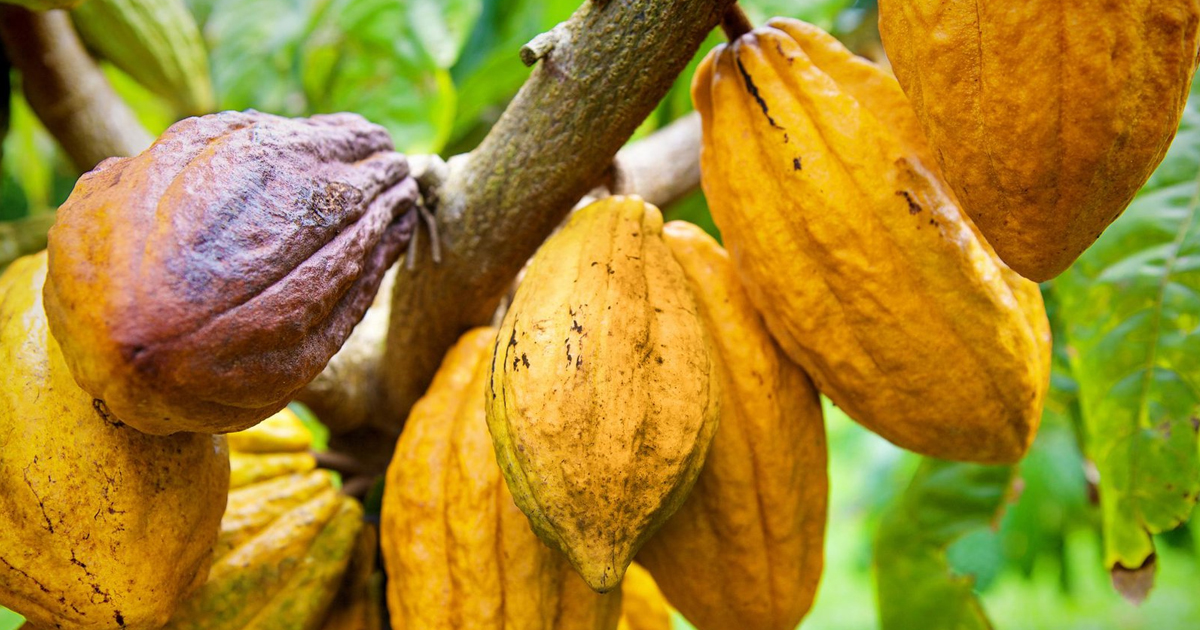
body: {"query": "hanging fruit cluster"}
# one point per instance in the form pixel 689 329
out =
pixel 649 394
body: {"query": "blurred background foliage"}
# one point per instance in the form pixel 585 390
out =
pixel 912 543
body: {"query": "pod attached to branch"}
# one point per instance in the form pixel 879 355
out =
pixel 200 284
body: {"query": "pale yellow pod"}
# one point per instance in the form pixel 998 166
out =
pixel 603 395
pixel 457 550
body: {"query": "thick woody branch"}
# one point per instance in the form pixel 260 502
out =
pixel 608 67
pixel 67 90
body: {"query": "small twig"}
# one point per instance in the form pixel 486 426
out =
pixel 540 46
pixel 340 462
pixel 358 486
pixel 435 248
pixel 735 23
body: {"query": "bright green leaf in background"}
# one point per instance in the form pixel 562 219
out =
pixel 944 502
pixel 1131 312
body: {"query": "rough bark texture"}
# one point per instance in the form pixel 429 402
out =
pixel 609 65
pixel 66 89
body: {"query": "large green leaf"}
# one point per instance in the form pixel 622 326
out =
pixel 366 57
pixel 1131 313
pixel 944 502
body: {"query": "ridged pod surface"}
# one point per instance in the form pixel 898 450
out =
pixel 458 551
pixel 1046 116
pixel 855 253
pixel 101 526
pixel 285 544
pixel 643 606
pixel 157 42
pixel 745 550
pixel 603 396
pixel 198 285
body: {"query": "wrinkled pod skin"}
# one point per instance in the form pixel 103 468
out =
pixel 856 255
pixel 101 526
pixel 604 395
pixel 457 550
pixel 746 549
pixel 198 285
pixel 285 543
pixel 1046 116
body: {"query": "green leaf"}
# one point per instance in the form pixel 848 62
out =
pixel 10 620
pixel 442 26
pixel 944 502
pixel 366 57
pixel 1131 314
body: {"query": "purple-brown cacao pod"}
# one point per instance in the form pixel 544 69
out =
pixel 198 285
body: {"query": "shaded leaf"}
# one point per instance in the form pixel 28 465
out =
pixel 1130 308
pixel 944 502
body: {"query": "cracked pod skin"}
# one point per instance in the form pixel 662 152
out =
pixel 604 394
pixel 1047 117
pixel 200 284
pixel 285 543
pixel 857 256
pixel 458 551
pixel 746 549
pixel 101 526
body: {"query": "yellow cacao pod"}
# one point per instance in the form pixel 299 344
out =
pixel 643 606
pixel 745 550
pixel 856 255
pixel 1046 116
pixel 285 542
pixel 603 396
pixel 101 526
pixel 358 605
pixel 458 551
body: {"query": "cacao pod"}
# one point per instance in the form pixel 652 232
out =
pixel 856 255
pixel 745 550
pixel 1047 117
pixel 157 42
pixel 603 396
pixel 643 606
pixel 458 551
pixel 357 605
pixel 284 545
pixel 198 285
pixel 101 526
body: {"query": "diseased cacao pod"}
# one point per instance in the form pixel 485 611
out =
pixel 458 551
pixel 643 606
pixel 198 285
pixel 1046 116
pixel 284 546
pixel 856 255
pixel 745 550
pixel 101 526
pixel 157 42
pixel 603 396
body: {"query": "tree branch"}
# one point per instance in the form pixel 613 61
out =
pixel 663 167
pixel 67 90
pixel 610 65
